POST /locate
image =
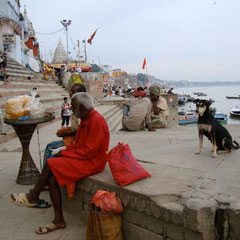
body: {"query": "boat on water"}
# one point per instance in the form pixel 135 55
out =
pixel 191 117
pixel 232 97
pixel 190 99
pixel 221 117
pixel 182 99
pixel 199 94
pixel 186 119
pixel 212 110
pixel 235 112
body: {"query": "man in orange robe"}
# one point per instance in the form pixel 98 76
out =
pixel 86 157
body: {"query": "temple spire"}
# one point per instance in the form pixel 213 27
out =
pixel 60 55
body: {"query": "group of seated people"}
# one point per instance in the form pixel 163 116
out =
pixel 140 111
pixel 87 155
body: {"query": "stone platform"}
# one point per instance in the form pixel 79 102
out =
pixel 185 191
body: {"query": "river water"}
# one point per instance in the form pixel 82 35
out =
pixel 218 93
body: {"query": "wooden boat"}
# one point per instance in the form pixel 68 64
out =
pixel 199 94
pixel 190 99
pixel 182 99
pixel 221 117
pixel 235 112
pixel 182 112
pixel 231 97
pixel 191 117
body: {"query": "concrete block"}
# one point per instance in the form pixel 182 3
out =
pixel 173 212
pixel 142 220
pixel 131 231
pixel 199 216
pixel 174 231
pixel 234 222
pixel 191 235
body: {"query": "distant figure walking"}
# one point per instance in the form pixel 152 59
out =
pixel 65 112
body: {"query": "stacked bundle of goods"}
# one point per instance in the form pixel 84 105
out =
pixel 24 107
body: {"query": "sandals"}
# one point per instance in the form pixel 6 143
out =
pixel 20 199
pixel 48 228
pixel 42 204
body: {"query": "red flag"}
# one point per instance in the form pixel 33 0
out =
pixel 29 42
pixel 144 63
pixel 92 36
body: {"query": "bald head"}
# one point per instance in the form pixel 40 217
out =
pixel 77 88
pixel 82 104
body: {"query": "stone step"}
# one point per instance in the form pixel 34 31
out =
pixel 17 70
pixel 111 112
pixel 29 84
pixel 49 92
pixel 104 109
pixel 114 121
pixel 118 125
pixel 44 99
pixel 33 80
pixel 6 89
pixel 20 74
pixel 16 66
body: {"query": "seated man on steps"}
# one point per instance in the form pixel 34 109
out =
pixel 136 112
pixel 160 110
pixel 86 157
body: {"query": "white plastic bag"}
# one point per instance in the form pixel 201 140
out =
pixel 35 108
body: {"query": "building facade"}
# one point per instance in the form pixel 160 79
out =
pixel 15 30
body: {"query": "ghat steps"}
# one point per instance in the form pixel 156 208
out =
pixel 51 95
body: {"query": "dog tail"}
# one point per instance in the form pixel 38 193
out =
pixel 235 145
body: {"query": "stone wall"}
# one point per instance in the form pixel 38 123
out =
pixel 142 217
pixel 172 100
pixel 94 84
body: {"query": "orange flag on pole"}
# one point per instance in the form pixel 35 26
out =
pixel 92 36
pixel 144 63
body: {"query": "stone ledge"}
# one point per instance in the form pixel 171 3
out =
pixel 141 217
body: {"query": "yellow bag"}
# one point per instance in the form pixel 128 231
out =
pixel 103 225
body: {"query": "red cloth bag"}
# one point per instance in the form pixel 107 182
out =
pixel 107 201
pixel 124 167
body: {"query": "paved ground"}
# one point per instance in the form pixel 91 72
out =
pixel 168 154
pixel 19 223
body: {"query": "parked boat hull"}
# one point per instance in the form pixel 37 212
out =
pixel 229 97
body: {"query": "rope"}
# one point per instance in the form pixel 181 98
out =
pixel 40 157
pixel 50 32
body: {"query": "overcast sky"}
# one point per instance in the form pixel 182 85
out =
pixel 195 40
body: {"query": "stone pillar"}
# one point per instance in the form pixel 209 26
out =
pixel 94 84
pixel 172 101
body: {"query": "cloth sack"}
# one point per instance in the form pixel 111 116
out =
pixel 107 201
pixel 124 167
pixel 103 225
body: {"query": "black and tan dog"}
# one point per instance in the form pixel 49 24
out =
pixel 212 129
